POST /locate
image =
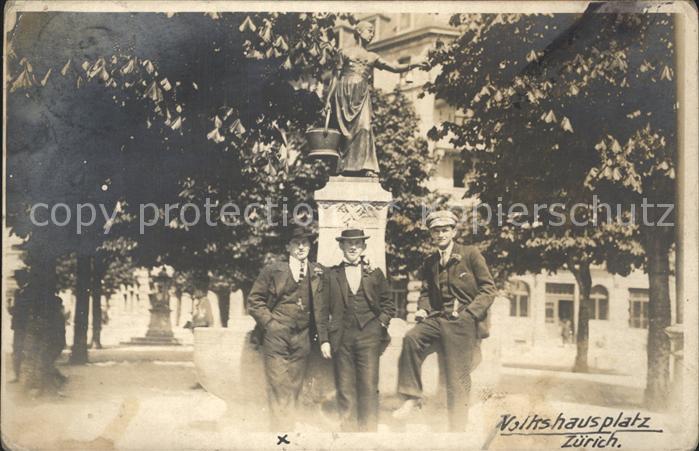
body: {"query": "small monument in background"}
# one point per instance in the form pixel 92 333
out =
pixel 160 327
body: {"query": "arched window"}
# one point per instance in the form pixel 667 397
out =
pixel 519 298
pixel 599 303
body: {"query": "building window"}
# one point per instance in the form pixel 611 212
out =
pixel 638 308
pixel 560 302
pixel 463 172
pixel 519 299
pixel 405 21
pixel 444 113
pixel 599 303
pixel 550 312
pixel 560 288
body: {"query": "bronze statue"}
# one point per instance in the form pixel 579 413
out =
pixel 349 99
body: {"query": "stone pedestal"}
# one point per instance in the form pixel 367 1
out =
pixel 352 202
pixel 160 327
pixel 227 364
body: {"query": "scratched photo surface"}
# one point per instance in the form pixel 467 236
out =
pixel 349 225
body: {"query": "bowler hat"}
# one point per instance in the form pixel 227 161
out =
pixel 299 231
pixel 352 234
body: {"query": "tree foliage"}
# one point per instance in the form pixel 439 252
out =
pixel 562 108
pixel 132 110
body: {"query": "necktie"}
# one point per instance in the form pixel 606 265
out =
pixel 443 258
pixel 302 275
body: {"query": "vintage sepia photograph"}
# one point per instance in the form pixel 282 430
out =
pixel 305 225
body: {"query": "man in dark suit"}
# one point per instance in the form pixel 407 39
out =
pixel 457 291
pixel 359 308
pixel 284 302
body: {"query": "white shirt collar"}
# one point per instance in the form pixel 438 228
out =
pixel 353 274
pixel 446 253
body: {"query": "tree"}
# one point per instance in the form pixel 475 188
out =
pixel 105 78
pixel 192 117
pixel 406 163
pixel 62 154
pixel 551 117
pixel 110 269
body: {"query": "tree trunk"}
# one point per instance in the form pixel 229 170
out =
pixel 34 348
pixel 582 275
pixel 224 304
pixel 97 275
pixel 78 354
pixel 659 317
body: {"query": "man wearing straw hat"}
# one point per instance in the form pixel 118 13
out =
pixel 284 302
pixel 359 308
pixel 457 291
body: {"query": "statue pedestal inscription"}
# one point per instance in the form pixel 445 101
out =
pixel 352 202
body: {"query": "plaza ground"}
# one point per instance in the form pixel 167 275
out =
pixel 142 398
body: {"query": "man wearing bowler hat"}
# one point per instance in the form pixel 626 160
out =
pixel 359 308
pixel 284 302
pixel 457 291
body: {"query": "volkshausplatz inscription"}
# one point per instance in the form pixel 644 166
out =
pixel 578 432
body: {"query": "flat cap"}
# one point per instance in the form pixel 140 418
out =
pixel 441 218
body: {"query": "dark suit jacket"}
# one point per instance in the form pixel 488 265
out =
pixel 470 282
pixel 336 293
pixel 267 290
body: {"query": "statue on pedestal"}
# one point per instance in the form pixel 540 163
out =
pixel 349 99
pixel 159 328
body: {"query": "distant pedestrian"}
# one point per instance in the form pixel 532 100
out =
pixel 56 341
pixel 201 313
pixel 566 331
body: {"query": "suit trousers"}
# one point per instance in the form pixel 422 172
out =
pixel 286 350
pixel 356 365
pixel 456 339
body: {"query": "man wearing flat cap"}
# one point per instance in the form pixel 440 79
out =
pixel 359 308
pixel 284 300
pixel 457 291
